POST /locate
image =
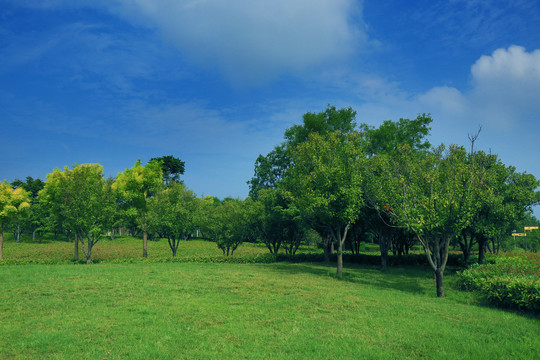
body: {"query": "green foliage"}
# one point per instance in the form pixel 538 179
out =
pixel 83 201
pixel 326 183
pixel 329 121
pixel 513 281
pixel 13 203
pixel 174 214
pixel 171 168
pixel 135 187
pixel 271 169
pixel 230 223
pixel 31 185
pixel 279 222
pixel 390 135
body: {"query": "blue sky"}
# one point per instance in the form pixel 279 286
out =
pixel 216 82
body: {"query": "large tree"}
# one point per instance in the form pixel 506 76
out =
pixel 135 187
pixel 271 169
pixel 326 183
pixel 13 203
pixel 435 195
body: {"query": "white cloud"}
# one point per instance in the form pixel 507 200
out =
pixel 504 93
pixel 251 41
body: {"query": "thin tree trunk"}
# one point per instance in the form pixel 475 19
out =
pixel 439 280
pixel 145 240
pixel 383 246
pixel 76 248
pixel 340 239
pixel 340 259
pixel 1 244
pixel 89 253
pixel 326 245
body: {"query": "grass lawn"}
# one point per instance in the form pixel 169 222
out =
pixel 249 311
pixel 126 248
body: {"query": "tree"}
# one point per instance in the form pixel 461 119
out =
pixel 171 168
pixel 13 203
pixel 270 170
pixel 390 135
pixel 325 183
pixel 135 187
pixel 230 222
pixel 88 204
pixel 50 206
pixel 31 185
pixel 507 198
pixel 33 221
pixel 433 194
pixel 174 214
pixel 280 222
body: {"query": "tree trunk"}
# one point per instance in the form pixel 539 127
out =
pixel 89 253
pixel 383 246
pixel 439 280
pixel 481 248
pixel 465 250
pixel 340 239
pixel 340 259
pixel 145 240
pixel 1 244
pixel 76 248
pixel 326 245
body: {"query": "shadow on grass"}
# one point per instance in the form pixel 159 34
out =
pixel 411 279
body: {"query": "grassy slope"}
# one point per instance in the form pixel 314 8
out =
pixel 220 311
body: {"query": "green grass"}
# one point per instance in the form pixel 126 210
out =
pixel 126 248
pixel 249 311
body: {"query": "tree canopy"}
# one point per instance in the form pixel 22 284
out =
pixel 171 168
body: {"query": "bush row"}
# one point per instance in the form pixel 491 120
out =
pixel 512 283
pixel 369 259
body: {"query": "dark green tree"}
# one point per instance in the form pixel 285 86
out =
pixel 171 168
pixel 326 184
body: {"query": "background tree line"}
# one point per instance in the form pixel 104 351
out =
pixel 331 181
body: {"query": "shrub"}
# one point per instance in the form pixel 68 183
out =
pixel 512 281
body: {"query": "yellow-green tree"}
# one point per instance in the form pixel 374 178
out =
pixel 13 202
pixel 135 187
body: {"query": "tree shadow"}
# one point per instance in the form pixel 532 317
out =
pixel 406 279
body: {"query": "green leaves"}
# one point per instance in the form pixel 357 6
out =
pixel 13 202
pixel 326 179
pixel 136 185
